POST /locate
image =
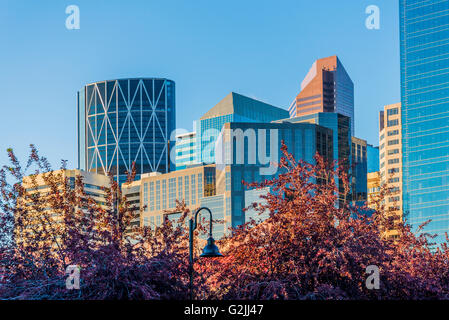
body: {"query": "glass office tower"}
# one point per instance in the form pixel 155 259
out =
pixel 126 121
pixel 424 34
pixel 241 157
pixel 233 108
pixel 185 150
pixel 373 158
pixel 341 127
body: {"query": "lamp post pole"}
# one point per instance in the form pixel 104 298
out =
pixel 209 251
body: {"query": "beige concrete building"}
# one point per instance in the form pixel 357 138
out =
pixel 43 211
pixel 156 195
pixel 373 187
pixel 390 160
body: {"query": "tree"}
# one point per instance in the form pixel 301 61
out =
pixel 314 246
pixel 42 234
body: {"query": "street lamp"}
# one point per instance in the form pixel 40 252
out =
pixel 209 251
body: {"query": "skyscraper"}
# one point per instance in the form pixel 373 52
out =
pixel 185 150
pixel 424 57
pixel 359 170
pixel 341 128
pixel 251 151
pixel 373 158
pixel 390 141
pixel 126 121
pixel 326 88
pixel 233 108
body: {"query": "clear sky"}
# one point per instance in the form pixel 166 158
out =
pixel 259 48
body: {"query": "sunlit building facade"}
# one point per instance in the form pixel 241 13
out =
pixel 327 87
pixel 43 214
pixel 391 169
pixel 373 188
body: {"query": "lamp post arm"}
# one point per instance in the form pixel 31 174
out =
pixel 195 224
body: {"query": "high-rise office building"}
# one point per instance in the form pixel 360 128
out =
pixel 250 152
pixel 359 170
pixel 326 88
pixel 185 150
pixel 390 145
pixel 424 48
pixel 373 158
pixel 233 108
pixel 219 186
pixel 341 128
pixel 373 187
pixel 42 215
pixel 157 194
pixel 126 121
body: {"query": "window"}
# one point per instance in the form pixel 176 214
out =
pixel 164 194
pixel 158 195
pixel 193 188
pixel 392 112
pixel 180 197
pixel 393 180
pixel 152 196
pixel 394 170
pixel 172 193
pixel 200 185
pixel 186 189
pixel 228 181
pixel 393 161
pixel 392 123
pixel 145 196
pixel 393 133
pixel 393 151
pixel 393 142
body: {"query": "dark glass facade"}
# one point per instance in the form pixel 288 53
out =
pixel 303 140
pixel 359 171
pixel 126 121
pixel 424 34
pixel 341 128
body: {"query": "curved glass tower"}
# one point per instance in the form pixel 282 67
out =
pixel 126 121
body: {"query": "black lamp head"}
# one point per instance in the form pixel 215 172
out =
pixel 211 250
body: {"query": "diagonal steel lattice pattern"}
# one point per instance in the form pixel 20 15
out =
pixel 126 121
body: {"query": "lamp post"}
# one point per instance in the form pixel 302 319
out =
pixel 209 251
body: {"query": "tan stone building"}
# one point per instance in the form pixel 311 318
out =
pixel 40 210
pixel 156 195
pixel 373 187
pixel 390 150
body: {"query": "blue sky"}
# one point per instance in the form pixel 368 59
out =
pixel 259 48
